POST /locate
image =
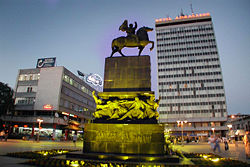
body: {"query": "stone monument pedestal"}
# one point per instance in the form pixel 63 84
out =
pixel 124 138
pixel 125 126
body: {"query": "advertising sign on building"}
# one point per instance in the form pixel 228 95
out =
pixel 46 62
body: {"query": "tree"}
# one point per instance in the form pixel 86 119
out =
pixel 6 98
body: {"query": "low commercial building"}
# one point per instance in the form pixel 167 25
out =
pixel 238 125
pixel 53 96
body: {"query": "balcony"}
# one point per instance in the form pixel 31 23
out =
pixel 33 119
pixel 208 128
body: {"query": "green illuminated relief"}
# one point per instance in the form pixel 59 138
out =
pixel 138 106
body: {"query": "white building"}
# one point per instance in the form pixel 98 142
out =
pixel 54 95
pixel 190 80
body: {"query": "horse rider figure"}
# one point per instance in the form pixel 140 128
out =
pixel 130 30
pixel 133 39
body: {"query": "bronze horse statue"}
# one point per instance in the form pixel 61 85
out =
pixel 139 40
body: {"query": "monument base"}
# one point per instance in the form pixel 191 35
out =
pixel 136 139
pixel 126 158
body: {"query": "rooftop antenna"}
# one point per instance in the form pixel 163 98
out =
pixel 191 8
pixel 182 12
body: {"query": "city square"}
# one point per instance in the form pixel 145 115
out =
pixel 128 89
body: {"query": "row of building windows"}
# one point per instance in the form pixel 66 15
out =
pixel 196 124
pixel 187 55
pixel 77 96
pixel 193 104
pixel 191 89
pixel 192 111
pixel 207 27
pixel 186 37
pixel 28 77
pixel 189 61
pixel 192 74
pixel 74 107
pixel 190 82
pixel 25 100
pixel 192 96
pixel 177 49
pixel 74 83
pixel 189 68
pixel 205 41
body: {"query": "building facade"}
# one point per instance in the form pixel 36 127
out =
pixel 54 95
pixel 190 81
pixel 238 125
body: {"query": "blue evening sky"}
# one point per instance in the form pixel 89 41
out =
pixel 79 34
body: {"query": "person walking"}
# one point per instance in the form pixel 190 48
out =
pixel 246 140
pixel 6 135
pixel 74 139
pixel 226 144
pixel 2 135
pixel 217 143
pixel 211 141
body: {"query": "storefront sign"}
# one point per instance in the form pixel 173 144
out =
pixel 46 62
pixel 94 79
pixel 47 107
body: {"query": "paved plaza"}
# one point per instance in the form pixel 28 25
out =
pixel 235 152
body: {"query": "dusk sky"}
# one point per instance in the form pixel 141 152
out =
pixel 79 34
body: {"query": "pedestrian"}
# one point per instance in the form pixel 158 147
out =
pixel 211 141
pixel 226 144
pixel 2 135
pixel 6 135
pixel 217 143
pixel 236 140
pixel 246 140
pixel 74 139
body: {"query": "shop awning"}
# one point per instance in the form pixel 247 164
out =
pixel 178 134
pixel 72 127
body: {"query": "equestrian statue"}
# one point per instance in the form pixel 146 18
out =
pixel 133 39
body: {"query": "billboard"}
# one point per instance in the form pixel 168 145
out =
pixel 46 62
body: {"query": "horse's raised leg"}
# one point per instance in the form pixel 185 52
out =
pixel 120 51
pixel 114 49
pixel 152 47
pixel 140 49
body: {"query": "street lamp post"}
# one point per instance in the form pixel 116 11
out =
pixel 229 128
pixel 213 130
pixel 181 123
pixel 39 121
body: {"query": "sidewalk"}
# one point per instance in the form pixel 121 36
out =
pixel 235 152
pixel 20 146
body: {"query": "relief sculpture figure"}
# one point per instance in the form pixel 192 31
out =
pixel 135 110
pixel 151 108
pixel 102 109
pixel 112 109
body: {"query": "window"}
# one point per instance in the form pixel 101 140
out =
pixel 29 89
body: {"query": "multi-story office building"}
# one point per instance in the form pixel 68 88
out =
pixel 54 95
pixel 190 79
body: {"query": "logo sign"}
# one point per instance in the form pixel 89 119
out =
pixel 95 79
pixel 46 62
pixel 48 107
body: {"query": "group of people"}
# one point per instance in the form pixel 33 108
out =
pixel 215 143
pixel 122 109
pixel 3 135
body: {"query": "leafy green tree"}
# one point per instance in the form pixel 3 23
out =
pixel 6 99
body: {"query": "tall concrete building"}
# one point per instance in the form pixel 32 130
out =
pixel 190 80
